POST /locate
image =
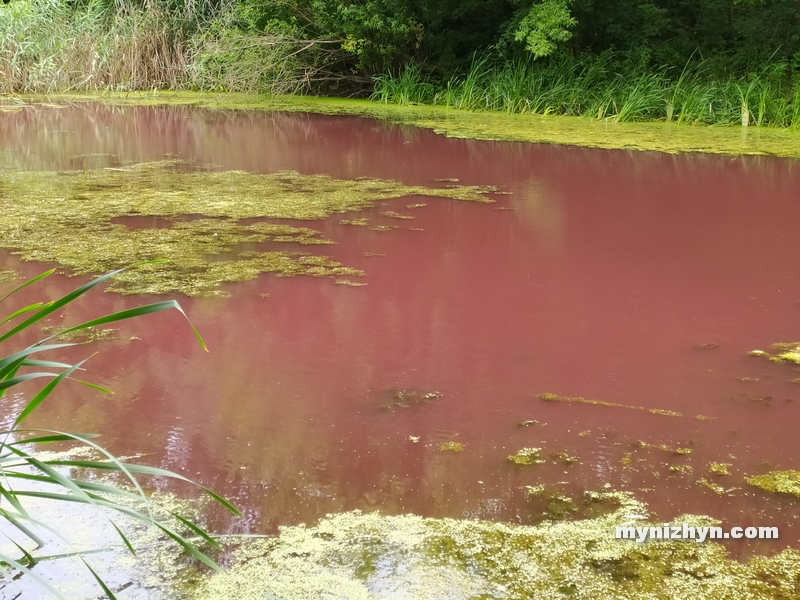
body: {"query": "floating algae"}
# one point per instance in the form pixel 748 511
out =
pixel 7 275
pixel 782 482
pixel 398 397
pixel 395 215
pixel 90 334
pixel 581 400
pixel 349 282
pixel 369 556
pixel 715 487
pixel 781 352
pixel 71 218
pixel 451 447
pixel 527 456
pixel 719 469
pixel 680 451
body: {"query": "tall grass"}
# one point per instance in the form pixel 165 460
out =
pixel 56 46
pixel 606 87
pixel 48 46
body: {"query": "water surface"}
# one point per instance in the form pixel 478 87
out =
pixel 635 278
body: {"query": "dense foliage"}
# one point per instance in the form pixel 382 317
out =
pixel 709 61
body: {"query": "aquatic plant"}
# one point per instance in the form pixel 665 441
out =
pixel 527 456
pixel 72 218
pixel 449 558
pixel 451 447
pixel 781 352
pixel 782 482
pixel 548 397
pixel 719 469
pixel 25 473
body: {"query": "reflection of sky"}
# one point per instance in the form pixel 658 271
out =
pixel 607 272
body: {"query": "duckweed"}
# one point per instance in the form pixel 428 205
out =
pixel 682 469
pixel 781 352
pixel 527 456
pixel 719 469
pixel 395 215
pixel 73 218
pixel 84 335
pixel 7 275
pixel 781 482
pixel 451 447
pixel 449 558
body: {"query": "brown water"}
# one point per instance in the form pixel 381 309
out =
pixel 597 274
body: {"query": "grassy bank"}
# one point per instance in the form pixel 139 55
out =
pixel 52 46
pixel 606 87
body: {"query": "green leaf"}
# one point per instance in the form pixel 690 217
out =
pixel 84 485
pixel 18 358
pixel 57 477
pixel 16 523
pixel 19 379
pixel 93 386
pixel 58 304
pixel 44 393
pixel 29 282
pixel 135 312
pixel 23 569
pixel 26 554
pixel 22 311
pixel 222 501
pixel 109 594
pixel 52 438
pixel 124 539
pixel 198 531
pixel 191 549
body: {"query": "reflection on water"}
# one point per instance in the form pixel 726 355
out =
pixel 639 279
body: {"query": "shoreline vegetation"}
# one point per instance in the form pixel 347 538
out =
pixel 741 93
pixel 466 124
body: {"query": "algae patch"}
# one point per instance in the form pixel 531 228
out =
pixel 781 352
pixel 781 482
pixel 76 219
pixel 527 456
pixel 7 275
pixel 581 400
pixel 451 447
pixel 399 397
pixel 369 556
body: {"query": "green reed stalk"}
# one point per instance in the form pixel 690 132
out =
pixel 19 462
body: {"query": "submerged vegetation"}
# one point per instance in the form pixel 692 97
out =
pixel 73 219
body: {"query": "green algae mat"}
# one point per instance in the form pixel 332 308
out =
pixel 72 218
pixel 489 125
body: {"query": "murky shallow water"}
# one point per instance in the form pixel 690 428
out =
pixel 602 274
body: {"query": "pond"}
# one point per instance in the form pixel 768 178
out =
pixel 490 316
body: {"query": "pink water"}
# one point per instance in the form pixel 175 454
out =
pixel 606 272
